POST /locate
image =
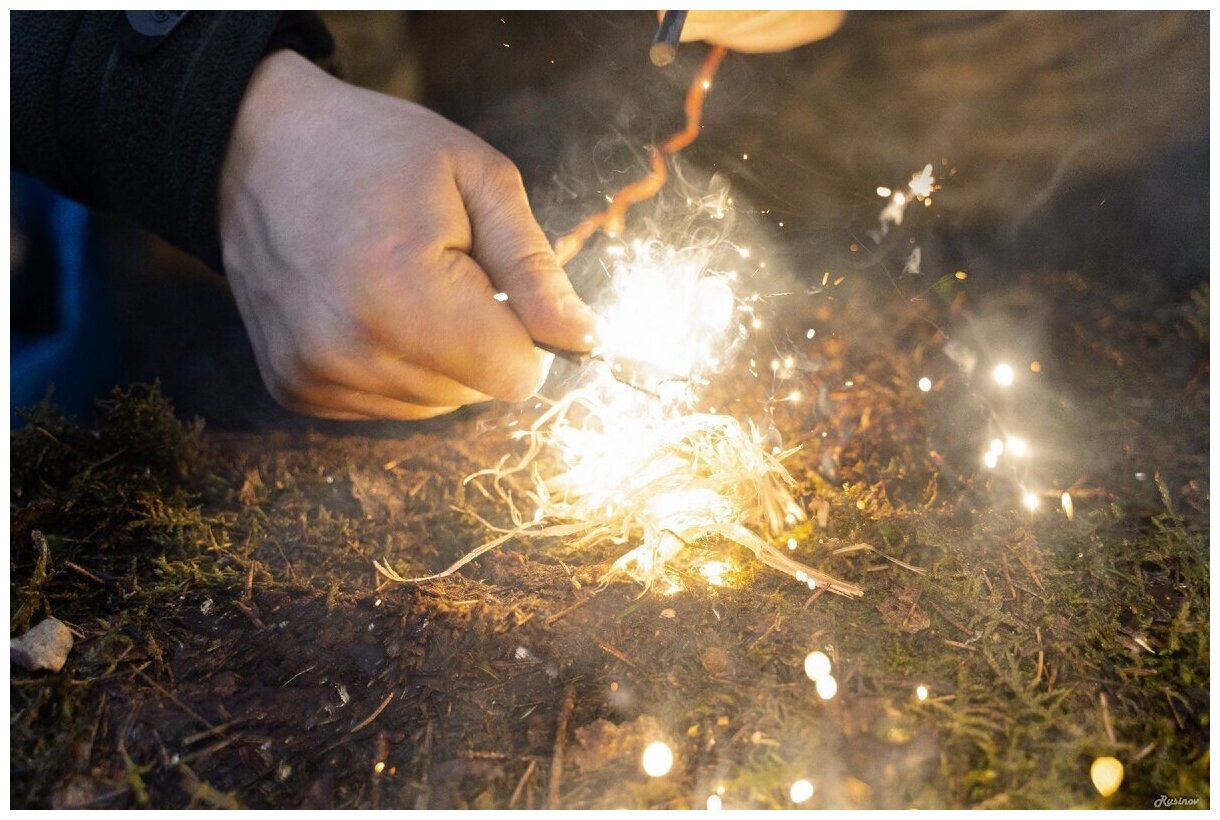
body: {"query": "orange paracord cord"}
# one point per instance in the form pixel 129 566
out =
pixel 613 219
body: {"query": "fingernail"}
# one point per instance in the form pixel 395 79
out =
pixel 547 360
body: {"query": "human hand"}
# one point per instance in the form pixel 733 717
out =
pixel 368 241
pixel 757 31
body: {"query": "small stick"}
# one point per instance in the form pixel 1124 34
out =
pixel 1105 718
pixel 561 613
pixel 664 46
pixel 561 735
pixel 373 716
pixel 617 653
pixel 529 770
pixel 82 571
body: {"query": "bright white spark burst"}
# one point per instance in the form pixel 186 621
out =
pixel 647 471
pixel 827 687
pixel 1003 375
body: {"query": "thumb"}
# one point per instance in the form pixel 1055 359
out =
pixel 508 244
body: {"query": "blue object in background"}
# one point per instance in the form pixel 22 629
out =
pixel 75 346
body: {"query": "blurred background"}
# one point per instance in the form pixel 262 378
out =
pixel 1073 142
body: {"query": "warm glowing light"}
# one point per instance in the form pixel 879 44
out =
pixel 1107 775
pixel 794 396
pixel 925 384
pixel 1035 367
pixel 924 183
pixel 501 297
pixel 883 191
pixel 379 767
pixel 707 84
pixel 801 791
pixel 666 311
pixel 1030 500
pixel 1017 446
pixel 817 665
pixel 990 459
pixel 714 572
pixel 827 687
pixel 1003 375
pixel 997 446
pixel 658 759
pixel 1069 509
pixel 810 333
pixel 921 692
pixel 791 543
pixel 713 802
pixel 960 275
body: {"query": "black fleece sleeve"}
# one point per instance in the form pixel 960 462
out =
pixel 141 134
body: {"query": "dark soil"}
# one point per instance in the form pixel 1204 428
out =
pixel 236 646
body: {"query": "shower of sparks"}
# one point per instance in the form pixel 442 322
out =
pixel 645 470
pixel 640 467
pixel 657 759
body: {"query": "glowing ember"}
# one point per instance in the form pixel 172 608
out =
pixel 817 665
pixel 921 692
pixel 1069 509
pixel 657 759
pixel 925 384
pixel 1017 446
pixel 614 218
pixel 1003 375
pixel 990 459
pixel 1030 500
pixel 827 687
pixel 1107 775
pixel 919 189
pixel 801 791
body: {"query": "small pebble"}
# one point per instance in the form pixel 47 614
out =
pixel 46 646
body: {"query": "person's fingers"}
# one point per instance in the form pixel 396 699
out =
pixel 761 31
pixel 507 242
pixel 345 404
pixel 407 382
pixel 457 328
